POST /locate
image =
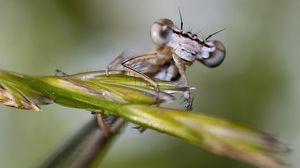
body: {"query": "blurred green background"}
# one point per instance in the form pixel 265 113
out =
pixel 258 84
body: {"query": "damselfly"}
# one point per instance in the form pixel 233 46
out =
pixel 176 50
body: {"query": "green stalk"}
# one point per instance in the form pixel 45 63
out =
pixel 132 101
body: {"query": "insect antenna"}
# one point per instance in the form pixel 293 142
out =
pixel 209 36
pixel 181 22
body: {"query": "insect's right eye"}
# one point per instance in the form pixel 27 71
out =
pixel 216 57
pixel 161 31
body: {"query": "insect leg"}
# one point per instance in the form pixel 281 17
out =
pixel 187 94
pixel 60 73
pixel 148 79
pixel 103 126
pixel 126 65
pixel 141 75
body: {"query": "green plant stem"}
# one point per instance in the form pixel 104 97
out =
pixel 106 96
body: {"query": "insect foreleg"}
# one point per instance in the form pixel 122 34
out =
pixel 181 69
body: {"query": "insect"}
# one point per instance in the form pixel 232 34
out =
pixel 176 50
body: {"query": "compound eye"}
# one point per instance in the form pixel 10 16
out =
pixel 215 57
pixel 161 31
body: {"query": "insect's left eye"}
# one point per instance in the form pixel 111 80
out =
pixel 161 31
pixel 215 57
